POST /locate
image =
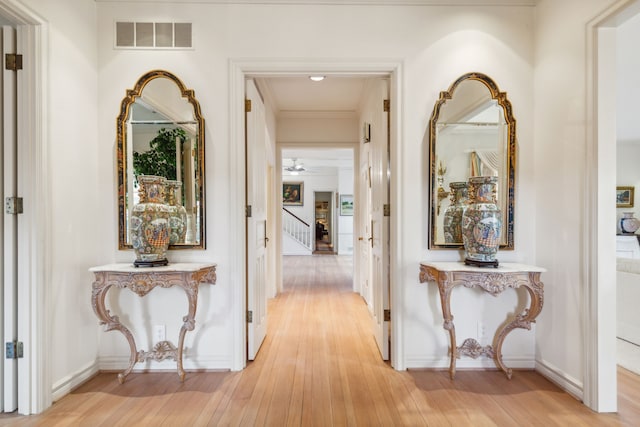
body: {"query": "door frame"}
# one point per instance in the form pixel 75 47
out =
pixel 600 378
pixel 239 69
pixel 34 370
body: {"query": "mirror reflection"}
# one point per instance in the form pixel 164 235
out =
pixel 161 132
pixel 472 133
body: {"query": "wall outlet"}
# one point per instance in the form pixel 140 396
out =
pixel 159 333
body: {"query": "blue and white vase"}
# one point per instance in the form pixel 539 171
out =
pixel 628 223
pixel 482 222
pixel 459 196
pixel 150 231
pixel 177 212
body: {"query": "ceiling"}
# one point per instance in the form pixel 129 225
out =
pixel 318 161
pixel 300 94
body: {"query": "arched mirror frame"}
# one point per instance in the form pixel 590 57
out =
pixel 121 150
pixel 501 98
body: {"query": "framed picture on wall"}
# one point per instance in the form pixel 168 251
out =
pixel 624 197
pixel 346 205
pixel 292 193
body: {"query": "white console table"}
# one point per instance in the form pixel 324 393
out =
pixel 448 275
pixel 141 280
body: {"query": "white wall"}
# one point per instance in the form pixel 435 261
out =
pixel 628 174
pixel 627 123
pixel 345 222
pixel 435 44
pixel 79 176
pixel 628 85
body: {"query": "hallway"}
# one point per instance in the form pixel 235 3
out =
pixel 319 365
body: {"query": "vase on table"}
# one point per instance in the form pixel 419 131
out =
pixel 177 212
pixel 629 224
pixel 459 196
pixel 150 223
pixel 482 223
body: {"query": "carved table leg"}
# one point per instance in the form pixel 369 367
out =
pixel 191 289
pixel 523 320
pixel 100 288
pixel 445 288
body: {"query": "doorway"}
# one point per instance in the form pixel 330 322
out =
pixel 600 382
pixel 239 72
pixel 324 230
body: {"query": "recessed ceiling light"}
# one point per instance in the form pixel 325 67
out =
pixel 317 78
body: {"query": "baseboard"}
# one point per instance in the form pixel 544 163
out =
pixel 73 381
pixel 515 362
pixel 561 379
pixel 120 363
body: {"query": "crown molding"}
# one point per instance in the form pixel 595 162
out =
pixel 528 3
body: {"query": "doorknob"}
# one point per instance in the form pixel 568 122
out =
pixel 361 238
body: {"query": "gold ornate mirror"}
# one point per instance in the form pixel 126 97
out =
pixel 472 132
pixel 161 132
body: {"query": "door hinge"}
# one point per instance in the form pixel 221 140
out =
pixel 13 62
pixel 13 205
pixel 386 105
pixel 247 105
pixel 386 209
pixel 387 315
pixel 249 316
pixel 247 211
pixel 14 350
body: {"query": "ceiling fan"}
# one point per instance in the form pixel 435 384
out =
pixel 295 167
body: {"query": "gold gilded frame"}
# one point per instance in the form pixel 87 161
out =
pixel 501 98
pixel 121 150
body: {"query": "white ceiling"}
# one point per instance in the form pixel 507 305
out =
pixel 300 94
pixel 318 160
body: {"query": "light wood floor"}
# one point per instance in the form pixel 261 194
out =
pixel 319 366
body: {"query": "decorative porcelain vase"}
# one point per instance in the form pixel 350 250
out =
pixel 482 223
pixel 177 212
pixel 628 223
pixel 150 223
pixel 459 196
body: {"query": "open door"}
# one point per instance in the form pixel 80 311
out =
pixel 256 221
pixel 363 209
pixel 9 263
pixel 380 211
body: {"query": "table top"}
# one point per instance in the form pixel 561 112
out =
pixel 504 267
pixel 171 268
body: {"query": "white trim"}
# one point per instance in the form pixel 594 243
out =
pixel 70 382
pixel 600 383
pixel 34 394
pixel 561 379
pixel 511 3
pixel 436 362
pixel 238 69
pixel 120 363
pixel 237 232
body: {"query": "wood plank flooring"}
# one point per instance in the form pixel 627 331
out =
pixel 319 366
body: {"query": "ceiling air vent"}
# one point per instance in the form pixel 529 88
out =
pixel 153 35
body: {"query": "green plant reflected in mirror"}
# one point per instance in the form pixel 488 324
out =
pixel 160 132
pixel 472 132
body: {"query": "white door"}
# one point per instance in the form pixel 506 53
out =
pixel 8 268
pixel 257 240
pixel 364 225
pixel 379 148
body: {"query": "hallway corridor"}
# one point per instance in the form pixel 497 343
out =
pixel 319 365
